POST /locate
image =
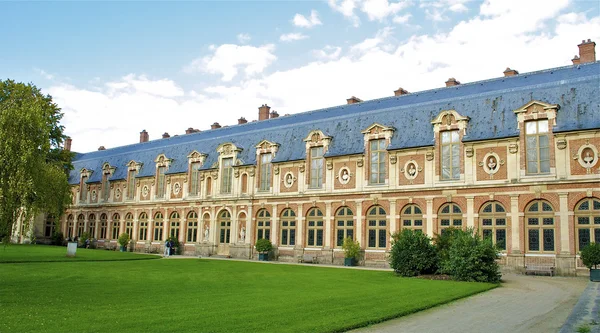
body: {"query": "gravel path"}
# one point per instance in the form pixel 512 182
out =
pixel 522 304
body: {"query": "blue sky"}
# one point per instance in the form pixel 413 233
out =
pixel 119 67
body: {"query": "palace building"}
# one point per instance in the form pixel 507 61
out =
pixel 514 157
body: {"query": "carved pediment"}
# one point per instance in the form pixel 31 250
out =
pixel 162 160
pixel 317 137
pixel 86 173
pixel 196 156
pixel 133 165
pixel 377 128
pixel 448 118
pixel 228 148
pixel 107 169
pixel 536 107
pixel 266 144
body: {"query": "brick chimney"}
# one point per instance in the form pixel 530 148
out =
pixel 166 135
pixel 68 142
pixel 575 60
pixel 242 120
pixel 353 100
pixel 510 72
pixel 587 51
pixel 144 137
pixel 452 82
pixel 101 148
pixel 215 125
pixel 400 92
pixel 190 130
pixel 263 112
pixel 274 114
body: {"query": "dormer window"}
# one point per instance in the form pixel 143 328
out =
pixel 227 160
pixel 377 161
pixel 538 146
pixel 450 155
pixel 317 144
pixel 107 172
pixel 195 160
pixel 227 175
pixel 133 168
pixel 84 189
pixel 316 167
pixel 449 127
pixel 162 165
pixel 265 172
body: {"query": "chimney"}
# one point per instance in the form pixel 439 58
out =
pixel 274 114
pixel 101 148
pixel 68 142
pixel 353 100
pixel 452 82
pixel 263 112
pixel 144 136
pixel 575 60
pixel 166 135
pixel 215 125
pixel 400 92
pixel 510 72
pixel 242 120
pixel 587 51
pixel 190 130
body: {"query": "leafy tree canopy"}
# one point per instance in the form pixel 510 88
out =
pixel 33 166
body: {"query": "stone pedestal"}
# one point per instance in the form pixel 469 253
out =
pixel 241 251
pixel 515 263
pixel 206 249
pixel 71 249
pixel 565 265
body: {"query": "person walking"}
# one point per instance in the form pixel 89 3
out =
pixel 167 248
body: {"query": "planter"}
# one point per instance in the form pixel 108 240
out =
pixel 263 257
pixel 123 248
pixel 595 275
pixel 349 262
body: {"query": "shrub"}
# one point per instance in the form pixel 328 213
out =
pixel 176 245
pixel 351 248
pixel 58 238
pixel 590 255
pixel 84 236
pixel 124 239
pixel 263 245
pixel 412 254
pixel 471 258
pixel 442 243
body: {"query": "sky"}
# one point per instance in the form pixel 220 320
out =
pixel 116 68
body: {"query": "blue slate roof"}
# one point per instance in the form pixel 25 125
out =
pixel 489 104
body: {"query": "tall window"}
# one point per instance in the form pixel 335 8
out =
pixel 80 225
pixel 265 172
pixel 208 186
pixel 450 155
pixel 263 224
pixel 70 224
pixel 103 226
pixel 587 219
pixel 227 175
pixel 49 226
pixel 244 182
pixel 115 226
pixel 538 146
pixel 143 220
pixel 161 188
pixel 158 227
pixel 192 230
pixel 377 228
pixel 492 219
pixel 314 229
pixel 316 167
pixel 412 217
pixel 539 217
pixel 84 190
pixel 92 224
pixel 450 215
pixel 224 227
pixel 105 187
pixel 129 225
pixel 174 225
pixel 131 185
pixel 377 161
pixel 344 225
pixel 194 178
pixel 288 228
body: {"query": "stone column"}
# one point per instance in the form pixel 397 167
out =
pixel 393 218
pixel 275 226
pixel 300 234
pixel 136 226
pixel 327 225
pixel 249 226
pixel 565 240
pixel 182 229
pixel 515 227
pixel 166 226
pixel 150 235
pixel 470 211
pixel 359 225
pixel 429 217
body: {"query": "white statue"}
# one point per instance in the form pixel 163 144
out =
pixel 206 231
pixel 243 234
pixel 492 163
pixel 411 170
pixel 588 159
pixel 345 175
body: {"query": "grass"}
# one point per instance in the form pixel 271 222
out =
pixel 194 295
pixel 40 253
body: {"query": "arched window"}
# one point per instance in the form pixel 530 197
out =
pixel 492 222
pixel 158 227
pixel 70 225
pixel 412 217
pixel 192 231
pixel 539 221
pixel 450 215
pixel 174 225
pixel 376 228
pixel 143 220
pixel 115 226
pixel 288 228
pixel 344 225
pixel 103 226
pixel 129 225
pixel 80 225
pixel 314 230
pixel 92 225
pixel 587 222
pixel 263 224
pixel 224 227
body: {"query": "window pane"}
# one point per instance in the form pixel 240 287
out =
pixel 543 126
pixel 501 239
pixel 596 205
pixel 596 235
pixel 548 221
pixel 372 238
pixel 320 237
pixel 293 237
pixel 340 237
pixel 534 240
pixel 382 238
pixel 500 221
pixel 406 223
pixel 532 221
pixel 584 205
pixel 445 222
pixel 584 237
pixel 487 222
pixel 530 127
pixel 487 233
pixel 457 222
pixel 456 209
pixel 418 210
pixel 583 220
pixel 548 239
pixel 311 237
pixel 350 233
pixel 418 223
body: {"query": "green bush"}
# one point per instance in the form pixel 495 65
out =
pixel 351 248
pixel 58 238
pixel 412 254
pixel 263 245
pixel 124 239
pixel 83 237
pixel 471 258
pixel 442 243
pixel 178 247
pixel 590 255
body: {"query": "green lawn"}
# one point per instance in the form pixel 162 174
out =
pixel 41 253
pixel 194 295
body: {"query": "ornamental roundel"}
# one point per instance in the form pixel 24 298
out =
pixel 94 195
pixel 491 163
pixel 344 175
pixel 145 190
pixel 176 188
pixel 411 169
pixel 118 193
pixel 288 180
pixel 587 156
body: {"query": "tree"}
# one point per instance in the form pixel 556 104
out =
pixel 412 253
pixel 33 166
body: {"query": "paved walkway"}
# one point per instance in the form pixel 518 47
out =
pixel 522 304
pixel 586 311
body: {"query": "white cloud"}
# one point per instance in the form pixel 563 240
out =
pixel 228 59
pixel 44 74
pixel 243 38
pixel 303 22
pixel 402 19
pixel 346 8
pixel 141 84
pixel 328 53
pixel 371 44
pixel 376 10
pixel 294 36
pixel 458 8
